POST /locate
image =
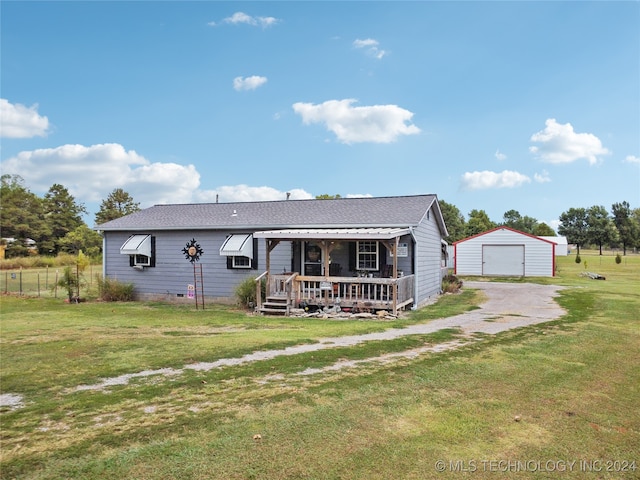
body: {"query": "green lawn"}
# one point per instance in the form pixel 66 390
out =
pixel 529 403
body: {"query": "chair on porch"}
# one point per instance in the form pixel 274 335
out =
pixel 387 271
pixel 335 269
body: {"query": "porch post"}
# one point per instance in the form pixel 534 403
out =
pixel 395 274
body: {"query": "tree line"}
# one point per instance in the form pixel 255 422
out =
pixel 585 227
pixel 53 224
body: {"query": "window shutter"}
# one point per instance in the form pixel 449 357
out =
pixel 132 260
pixel 352 256
pixel 152 260
pixel 229 263
pixel 254 261
pixel 382 256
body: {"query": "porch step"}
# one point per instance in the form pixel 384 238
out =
pixel 274 306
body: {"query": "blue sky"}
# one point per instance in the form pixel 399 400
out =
pixel 532 106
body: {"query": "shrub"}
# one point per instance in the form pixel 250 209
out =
pixel 618 259
pixel 111 290
pixel 246 292
pixel 451 284
pixel 70 281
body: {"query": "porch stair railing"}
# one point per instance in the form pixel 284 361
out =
pixel 279 293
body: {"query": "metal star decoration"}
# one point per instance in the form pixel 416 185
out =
pixel 192 251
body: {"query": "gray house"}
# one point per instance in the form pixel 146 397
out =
pixel 363 254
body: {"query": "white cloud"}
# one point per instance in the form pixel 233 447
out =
pixel 245 193
pixel 359 195
pixel 632 159
pixel 20 121
pixel 376 124
pixel 239 18
pixel 500 156
pixel 486 179
pixel 248 83
pixel 91 173
pixel 370 46
pixel 560 144
pixel 542 177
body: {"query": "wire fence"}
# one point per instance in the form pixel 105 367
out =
pixel 43 282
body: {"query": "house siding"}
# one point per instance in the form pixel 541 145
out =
pixel 428 259
pixel 280 258
pixel 172 273
pixel 538 253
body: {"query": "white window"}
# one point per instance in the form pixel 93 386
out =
pixel 367 255
pixel 141 250
pixel 241 262
pixel 142 260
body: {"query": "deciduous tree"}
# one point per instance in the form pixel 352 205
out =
pixel 21 215
pixel 573 225
pixel 454 220
pixel 82 239
pixel 627 225
pixel 601 229
pixel 544 230
pixel 478 222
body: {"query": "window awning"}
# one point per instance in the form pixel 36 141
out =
pixel 137 245
pixel 238 245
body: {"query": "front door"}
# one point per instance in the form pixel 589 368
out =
pixel 312 259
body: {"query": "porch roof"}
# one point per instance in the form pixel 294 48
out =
pixel 335 233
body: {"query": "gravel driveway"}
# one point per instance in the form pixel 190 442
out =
pixel 508 306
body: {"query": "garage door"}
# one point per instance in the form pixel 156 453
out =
pixel 503 260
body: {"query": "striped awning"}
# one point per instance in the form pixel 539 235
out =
pixel 238 245
pixel 137 245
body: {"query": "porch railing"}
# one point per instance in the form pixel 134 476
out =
pixel 360 293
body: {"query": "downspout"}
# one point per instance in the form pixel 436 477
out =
pixel 104 256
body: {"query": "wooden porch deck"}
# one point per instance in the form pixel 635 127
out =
pixel 356 294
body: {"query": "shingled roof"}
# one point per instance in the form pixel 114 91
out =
pixel 402 211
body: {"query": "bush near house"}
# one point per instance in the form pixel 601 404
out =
pixel 451 284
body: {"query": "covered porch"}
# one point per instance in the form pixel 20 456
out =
pixel 373 281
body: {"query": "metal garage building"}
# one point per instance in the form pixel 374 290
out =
pixel 504 251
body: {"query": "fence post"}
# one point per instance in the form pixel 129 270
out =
pixel 20 281
pixel 38 283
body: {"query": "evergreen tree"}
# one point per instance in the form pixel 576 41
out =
pixel 63 215
pixel 118 204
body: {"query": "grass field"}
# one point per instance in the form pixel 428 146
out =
pixel 548 401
